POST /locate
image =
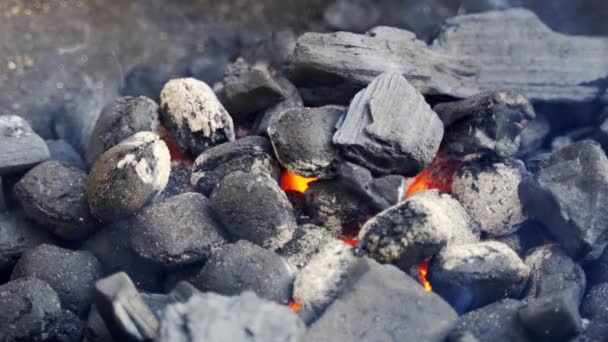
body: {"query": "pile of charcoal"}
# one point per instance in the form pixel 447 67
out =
pixel 428 209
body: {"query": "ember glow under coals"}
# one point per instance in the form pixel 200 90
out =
pixel 292 182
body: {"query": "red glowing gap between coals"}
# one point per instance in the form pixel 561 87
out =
pixel 293 182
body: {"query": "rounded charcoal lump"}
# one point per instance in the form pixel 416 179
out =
pixel 194 115
pixel 128 176
pixel 20 147
pixel 56 197
pixel 180 230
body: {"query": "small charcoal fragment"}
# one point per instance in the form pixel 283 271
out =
pixel 20 147
pixel 64 153
pixel 18 235
pixel 307 241
pixel 552 318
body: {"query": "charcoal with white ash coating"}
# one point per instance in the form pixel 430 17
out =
pixel 243 266
pixel 594 303
pixel 249 154
pixel 194 116
pixel 552 318
pixel 302 140
pixel 252 207
pixel 487 123
pixel 120 119
pixel 128 176
pixel 55 196
pixel 469 276
pixel 20 147
pixel 65 153
pixel 307 241
pixel 568 197
pixel 389 128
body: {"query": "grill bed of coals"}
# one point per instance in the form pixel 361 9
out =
pixel 360 187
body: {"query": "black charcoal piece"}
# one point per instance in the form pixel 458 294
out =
pixel 567 197
pixel 552 318
pixel 96 329
pixel 515 50
pixel 64 153
pixel 194 116
pixel 389 128
pixel 180 230
pixel 488 192
pixel 252 207
pixel 67 327
pixel 214 318
pixel 71 274
pixel 594 304
pixel 415 229
pixel 529 235
pixel 55 196
pixel 298 202
pixel 593 331
pixel 249 154
pixel 302 140
pixel 123 310
pixel 470 276
pixel 381 303
pixel 292 100
pixel 18 235
pixel 128 176
pixel 307 241
pixel 179 181
pixel 29 306
pixel 243 266
pixel 120 119
pixel 20 147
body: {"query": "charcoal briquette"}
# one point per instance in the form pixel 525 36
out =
pixel 20 147
pixel 552 318
pixel 307 241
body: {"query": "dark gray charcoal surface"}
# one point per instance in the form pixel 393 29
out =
pixel 554 317
pixel 18 235
pixel 306 242
pixel 21 148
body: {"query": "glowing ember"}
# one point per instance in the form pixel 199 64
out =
pixel 351 241
pixel 174 151
pixel 293 306
pixel 293 182
pixel 438 176
pixel 423 271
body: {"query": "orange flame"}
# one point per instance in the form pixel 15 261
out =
pixel 438 175
pixel 293 182
pixel 293 306
pixel 423 271
pixel 351 241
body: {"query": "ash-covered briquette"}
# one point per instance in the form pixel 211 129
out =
pixel 487 123
pixel 381 303
pixel 594 303
pixel 194 115
pixel 488 192
pixel 55 196
pixel 29 306
pixel 180 230
pixel 214 318
pixel 306 242
pixel 243 266
pixel 472 275
pixel 331 67
pixel 71 274
pixel 568 197
pixel 18 235
pixel 252 154
pixel 61 151
pixel 302 139
pixel 389 128
pixel 292 100
pixel 552 318
pixel 120 119
pixel 252 207
pixel 128 176
pixel 20 147
pixel 416 229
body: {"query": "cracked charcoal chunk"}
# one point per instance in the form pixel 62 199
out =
pixel 569 197
pixel 470 276
pixel 71 274
pixel 487 122
pixel 416 229
pixel 64 153
pixel 488 192
pixel 302 140
pixel 18 235
pixel 252 207
pixel 55 196
pixel 194 116
pixel 249 154
pixel 180 230
pixel 214 318
pixel 128 176
pixel 120 119
pixel 29 307
pixel 306 242
pixel 552 318
pixel 516 50
pixel 243 266
pixel 20 147
pixel 389 128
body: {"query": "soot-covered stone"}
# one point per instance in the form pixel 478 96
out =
pixel 180 230
pixel 243 266
pixel 215 318
pixel 252 207
pixel 56 197
pixel 64 153
pixel 302 140
pixel 307 241
pixel 194 115
pixel 415 229
pixel 18 235
pixel 389 128
pixel 20 147
pixel 29 308
pixel 120 119
pixel 594 304
pixel 70 273
pixel 470 276
pixel 485 123
pixel 568 197
pixel 128 176
pixel 381 303
pixel 552 318
pixel 250 154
